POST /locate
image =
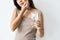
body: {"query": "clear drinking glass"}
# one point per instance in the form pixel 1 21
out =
pixel 35 18
pixel 33 22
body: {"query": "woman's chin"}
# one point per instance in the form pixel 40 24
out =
pixel 20 5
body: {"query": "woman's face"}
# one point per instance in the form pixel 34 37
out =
pixel 21 2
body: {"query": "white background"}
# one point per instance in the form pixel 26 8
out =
pixel 51 13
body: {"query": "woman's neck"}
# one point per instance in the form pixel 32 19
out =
pixel 30 9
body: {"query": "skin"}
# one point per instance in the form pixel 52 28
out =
pixel 16 19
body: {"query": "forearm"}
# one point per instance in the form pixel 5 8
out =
pixel 40 32
pixel 17 20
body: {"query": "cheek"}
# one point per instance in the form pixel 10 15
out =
pixel 18 2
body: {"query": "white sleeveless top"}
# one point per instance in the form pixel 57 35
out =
pixel 25 31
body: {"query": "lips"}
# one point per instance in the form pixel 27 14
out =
pixel 21 3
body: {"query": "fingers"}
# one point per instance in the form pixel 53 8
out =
pixel 37 24
pixel 26 4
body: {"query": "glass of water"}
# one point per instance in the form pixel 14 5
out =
pixel 35 18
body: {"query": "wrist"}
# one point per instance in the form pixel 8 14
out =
pixel 23 8
pixel 39 28
pixel 40 32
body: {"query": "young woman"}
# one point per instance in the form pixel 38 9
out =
pixel 27 20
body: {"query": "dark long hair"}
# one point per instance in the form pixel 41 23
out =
pixel 31 5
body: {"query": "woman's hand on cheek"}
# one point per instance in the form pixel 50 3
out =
pixel 25 5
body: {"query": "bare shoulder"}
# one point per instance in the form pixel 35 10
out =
pixel 14 11
pixel 40 14
pixel 38 11
pixel 14 14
